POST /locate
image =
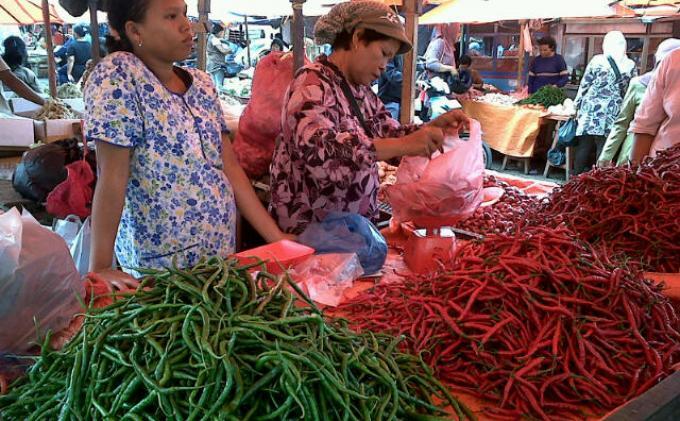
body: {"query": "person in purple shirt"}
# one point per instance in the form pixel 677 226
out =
pixel 549 68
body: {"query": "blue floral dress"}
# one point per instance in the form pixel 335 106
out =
pixel 179 203
pixel 600 96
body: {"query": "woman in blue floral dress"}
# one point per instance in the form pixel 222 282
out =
pixel 168 180
pixel 599 98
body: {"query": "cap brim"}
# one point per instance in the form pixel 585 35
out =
pixel 392 32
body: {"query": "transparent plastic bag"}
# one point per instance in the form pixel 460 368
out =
pixel 443 190
pixel 325 277
pixel 67 228
pixel 39 283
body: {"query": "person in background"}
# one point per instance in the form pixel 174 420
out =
pixel 599 98
pixel 9 79
pixel 278 44
pixel 466 65
pixel 390 84
pixel 169 182
pixel 16 56
pixel 77 55
pixel 440 56
pixel 548 68
pixel 217 52
pixel 657 121
pixel 335 129
pixel 620 140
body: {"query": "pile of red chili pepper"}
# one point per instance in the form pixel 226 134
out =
pixel 632 212
pixel 536 322
pixel 504 216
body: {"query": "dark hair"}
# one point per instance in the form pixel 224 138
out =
pixel 343 41
pixel 465 60
pixel 549 41
pixel 80 30
pixel 216 28
pixel 15 52
pixel 119 13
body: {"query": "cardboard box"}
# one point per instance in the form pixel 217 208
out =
pixel 49 131
pixel 16 133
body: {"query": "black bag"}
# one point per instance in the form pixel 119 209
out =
pixel 43 168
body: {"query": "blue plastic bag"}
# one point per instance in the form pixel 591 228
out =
pixel 342 232
pixel 567 133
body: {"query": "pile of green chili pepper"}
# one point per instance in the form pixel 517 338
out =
pixel 213 342
pixel 546 96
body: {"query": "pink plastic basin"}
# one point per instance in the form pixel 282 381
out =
pixel 277 256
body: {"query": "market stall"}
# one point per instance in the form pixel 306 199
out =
pixel 525 322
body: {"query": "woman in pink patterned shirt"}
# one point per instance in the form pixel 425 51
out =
pixel 657 121
pixel 335 129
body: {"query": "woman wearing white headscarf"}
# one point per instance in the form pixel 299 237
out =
pixel 657 122
pixel 440 56
pixel 599 97
pixel 620 140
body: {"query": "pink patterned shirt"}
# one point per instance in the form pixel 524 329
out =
pixel 659 112
pixel 324 160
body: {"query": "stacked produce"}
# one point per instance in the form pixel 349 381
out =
pixel 633 212
pixel 54 109
pixel 506 215
pixel 213 342
pixel 547 96
pixel 69 91
pixel 497 99
pixel 535 322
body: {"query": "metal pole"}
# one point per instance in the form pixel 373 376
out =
pixel 94 30
pixel 298 34
pixel 51 65
pixel 412 9
pixel 250 62
pixel 203 11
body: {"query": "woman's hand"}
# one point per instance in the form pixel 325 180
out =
pixel 605 164
pixel 424 141
pixel 451 122
pixel 116 278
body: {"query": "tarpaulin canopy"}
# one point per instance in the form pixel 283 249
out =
pixel 225 10
pixel 474 11
pixel 24 12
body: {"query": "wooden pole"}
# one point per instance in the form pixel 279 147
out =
pixel 51 65
pixel 412 9
pixel 203 11
pixel 94 31
pixel 298 35
pixel 520 64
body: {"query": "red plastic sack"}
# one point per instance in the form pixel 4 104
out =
pixel 74 195
pixel 260 122
pixel 442 190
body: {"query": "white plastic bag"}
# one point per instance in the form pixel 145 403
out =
pixel 80 249
pixel 325 277
pixel 39 283
pixel 68 228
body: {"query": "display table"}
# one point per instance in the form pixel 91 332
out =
pixel 509 130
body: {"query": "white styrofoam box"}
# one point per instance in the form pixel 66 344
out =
pixel 16 132
pixel 24 108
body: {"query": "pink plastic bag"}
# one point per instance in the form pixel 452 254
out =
pixel 443 190
pixel 260 122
